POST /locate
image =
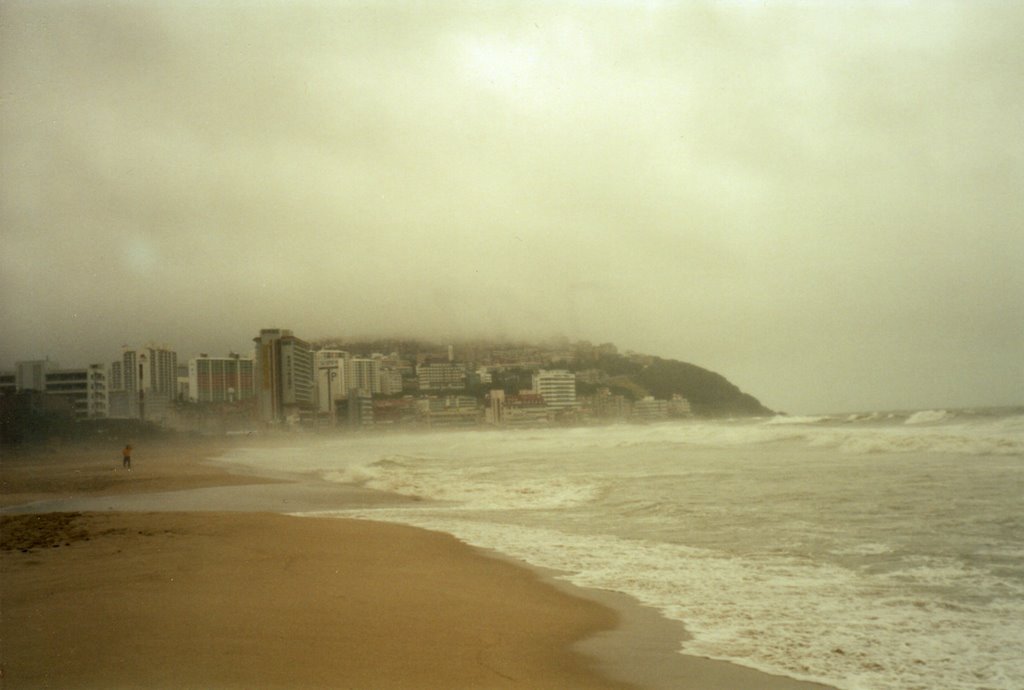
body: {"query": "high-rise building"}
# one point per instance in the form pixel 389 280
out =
pixel 556 386
pixel 144 383
pixel 284 366
pixel 221 379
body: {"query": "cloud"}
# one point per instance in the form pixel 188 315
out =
pixel 783 192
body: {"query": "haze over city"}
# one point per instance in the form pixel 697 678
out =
pixel 820 202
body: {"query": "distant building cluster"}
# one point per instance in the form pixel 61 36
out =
pixel 286 381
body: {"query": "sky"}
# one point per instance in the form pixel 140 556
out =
pixel 824 202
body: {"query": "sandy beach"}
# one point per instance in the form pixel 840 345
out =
pixel 183 574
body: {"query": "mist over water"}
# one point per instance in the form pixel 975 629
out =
pixel 879 551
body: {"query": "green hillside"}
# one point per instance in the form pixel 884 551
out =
pixel 709 393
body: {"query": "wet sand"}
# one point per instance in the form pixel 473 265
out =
pixel 184 574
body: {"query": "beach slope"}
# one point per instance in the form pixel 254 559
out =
pixel 233 600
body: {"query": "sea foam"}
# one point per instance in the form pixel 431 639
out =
pixel 927 417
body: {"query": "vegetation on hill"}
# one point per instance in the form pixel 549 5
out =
pixel 631 375
pixel 709 393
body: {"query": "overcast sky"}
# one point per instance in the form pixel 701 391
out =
pixel 824 202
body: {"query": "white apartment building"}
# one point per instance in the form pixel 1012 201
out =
pixel 85 390
pixel 557 387
pixel 364 374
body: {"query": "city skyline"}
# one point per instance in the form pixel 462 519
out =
pixel 820 202
pixel 286 382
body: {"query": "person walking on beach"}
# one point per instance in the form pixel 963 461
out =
pixel 126 454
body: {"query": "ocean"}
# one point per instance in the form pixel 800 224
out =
pixel 880 551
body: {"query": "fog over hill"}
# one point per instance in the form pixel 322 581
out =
pixel 631 374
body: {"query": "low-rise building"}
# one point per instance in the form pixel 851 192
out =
pixel 557 387
pixel 649 409
pixel 678 406
pixel 525 409
pixel 449 410
pixel 394 411
pixel 436 376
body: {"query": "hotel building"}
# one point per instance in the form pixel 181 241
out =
pixel 284 366
pixel 144 383
pixel 221 379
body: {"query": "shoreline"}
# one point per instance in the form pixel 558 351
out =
pixel 640 650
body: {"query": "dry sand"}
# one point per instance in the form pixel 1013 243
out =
pixel 187 597
pixel 246 600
